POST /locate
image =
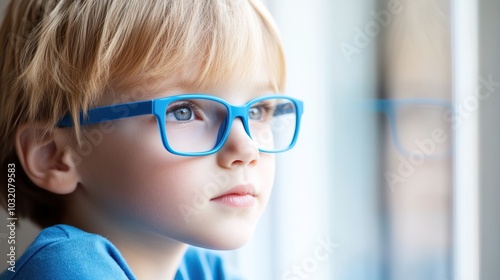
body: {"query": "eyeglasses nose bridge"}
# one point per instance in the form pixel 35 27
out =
pixel 234 112
pixel 239 112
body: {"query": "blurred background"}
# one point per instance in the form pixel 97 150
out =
pixel 396 163
pixel 395 173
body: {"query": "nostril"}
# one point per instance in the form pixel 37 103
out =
pixel 238 150
pixel 250 163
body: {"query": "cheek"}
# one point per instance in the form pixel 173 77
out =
pixel 130 177
pixel 130 171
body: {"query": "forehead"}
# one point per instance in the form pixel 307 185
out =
pixel 231 87
pixel 256 77
pixel 230 45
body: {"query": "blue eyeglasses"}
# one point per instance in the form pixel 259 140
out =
pixel 419 125
pixel 198 125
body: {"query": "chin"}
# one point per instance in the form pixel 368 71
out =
pixel 224 239
pixel 229 244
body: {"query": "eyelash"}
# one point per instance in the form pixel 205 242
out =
pixel 267 108
pixel 172 108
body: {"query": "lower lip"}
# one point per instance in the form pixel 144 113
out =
pixel 236 200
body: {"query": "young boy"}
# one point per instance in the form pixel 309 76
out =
pixel 131 129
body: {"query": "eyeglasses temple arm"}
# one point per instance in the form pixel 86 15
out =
pixel 109 113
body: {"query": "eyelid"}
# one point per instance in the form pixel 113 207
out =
pixel 267 105
pixel 182 103
pixel 197 111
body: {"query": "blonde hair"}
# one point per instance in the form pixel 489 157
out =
pixel 60 56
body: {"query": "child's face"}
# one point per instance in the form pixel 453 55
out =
pixel 133 182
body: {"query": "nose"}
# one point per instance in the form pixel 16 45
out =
pixel 239 149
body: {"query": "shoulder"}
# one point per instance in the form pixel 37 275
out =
pixel 65 252
pixel 204 264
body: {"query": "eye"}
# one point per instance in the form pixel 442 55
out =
pixel 261 111
pixel 181 112
pixel 255 113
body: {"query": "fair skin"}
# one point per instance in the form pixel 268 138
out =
pixel 131 190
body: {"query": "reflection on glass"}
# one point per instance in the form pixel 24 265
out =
pixel 419 127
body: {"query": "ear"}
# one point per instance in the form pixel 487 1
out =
pixel 47 158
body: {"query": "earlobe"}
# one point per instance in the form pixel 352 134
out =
pixel 47 159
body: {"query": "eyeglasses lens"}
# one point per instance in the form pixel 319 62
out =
pixel 199 125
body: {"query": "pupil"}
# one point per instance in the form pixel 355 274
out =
pixel 183 114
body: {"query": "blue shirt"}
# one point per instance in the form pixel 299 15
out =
pixel 64 252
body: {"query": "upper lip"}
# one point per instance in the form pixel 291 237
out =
pixel 238 190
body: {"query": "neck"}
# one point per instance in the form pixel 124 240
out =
pixel 148 254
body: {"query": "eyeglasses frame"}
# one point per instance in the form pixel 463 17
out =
pixel 390 107
pixel 158 108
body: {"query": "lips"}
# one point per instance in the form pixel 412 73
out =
pixel 239 196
